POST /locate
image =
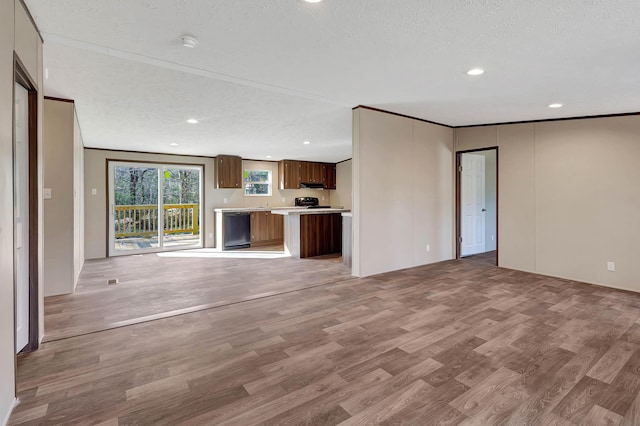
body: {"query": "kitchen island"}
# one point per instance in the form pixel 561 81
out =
pixel 312 232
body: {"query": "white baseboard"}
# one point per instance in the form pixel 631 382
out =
pixel 15 403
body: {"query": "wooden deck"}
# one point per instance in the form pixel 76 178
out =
pixel 460 342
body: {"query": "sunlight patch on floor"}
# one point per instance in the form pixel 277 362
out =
pixel 212 253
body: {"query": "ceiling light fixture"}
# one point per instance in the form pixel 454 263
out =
pixel 173 144
pixel 188 40
pixel 312 1
pixel 268 156
pixel 192 121
pixel 555 105
pixel 306 142
pixel 475 71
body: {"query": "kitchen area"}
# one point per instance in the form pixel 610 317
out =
pixel 290 206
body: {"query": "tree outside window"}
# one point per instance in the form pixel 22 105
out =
pixel 257 182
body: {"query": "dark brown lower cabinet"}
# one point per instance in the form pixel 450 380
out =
pixel 320 234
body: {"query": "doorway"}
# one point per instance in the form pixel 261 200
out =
pixel 21 214
pixel 154 207
pixel 477 203
pixel 25 209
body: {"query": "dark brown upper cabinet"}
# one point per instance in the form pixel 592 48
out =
pixel 289 174
pixel 329 180
pixel 228 171
pixel 311 172
pixel 292 173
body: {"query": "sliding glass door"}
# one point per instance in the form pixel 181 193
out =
pixel 153 207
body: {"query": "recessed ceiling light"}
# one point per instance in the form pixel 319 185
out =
pixel 475 71
pixel 268 156
pixel 306 142
pixel 192 121
pixel 555 105
pixel 173 144
pixel 188 40
pixel 312 1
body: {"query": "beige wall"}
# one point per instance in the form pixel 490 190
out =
pixel 63 213
pixel 278 198
pixel 402 192
pixel 342 195
pixel 567 196
pixel 59 211
pixel 16 33
pixel 96 205
pixel 78 200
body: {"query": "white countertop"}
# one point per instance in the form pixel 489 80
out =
pixel 255 209
pixel 288 212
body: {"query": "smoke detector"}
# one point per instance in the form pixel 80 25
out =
pixel 188 41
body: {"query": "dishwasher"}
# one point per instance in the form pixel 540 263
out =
pixel 237 230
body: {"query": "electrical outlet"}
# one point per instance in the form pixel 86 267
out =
pixel 284 199
pixel 428 247
pixel 611 266
pixel 493 238
pixel 210 234
pixel 46 193
pixel 226 200
pixel 94 191
pixel 322 198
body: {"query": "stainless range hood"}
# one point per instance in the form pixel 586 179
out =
pixel 311 185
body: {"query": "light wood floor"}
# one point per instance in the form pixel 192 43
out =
pixel 461 342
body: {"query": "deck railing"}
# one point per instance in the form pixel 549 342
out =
pixel 142 221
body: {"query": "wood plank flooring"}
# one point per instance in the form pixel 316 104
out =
pixel 153 286
pixel 460 342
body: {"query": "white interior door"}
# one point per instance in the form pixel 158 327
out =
pixel 472 204
pixel 21 215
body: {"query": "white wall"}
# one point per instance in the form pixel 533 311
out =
pixel 16 33
pixel 568 196
pixel 403 192
pixel 342 195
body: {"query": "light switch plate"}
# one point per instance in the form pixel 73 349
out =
pixel 611 266
pixel 94 191
pixel 46 193
pixel 226 200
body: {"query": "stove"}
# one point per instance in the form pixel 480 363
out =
pixel 309 202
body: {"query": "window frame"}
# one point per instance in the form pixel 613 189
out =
pixel 269 182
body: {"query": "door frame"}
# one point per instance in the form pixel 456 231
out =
pixel 459 195
pixel 22 77
pixel 159 165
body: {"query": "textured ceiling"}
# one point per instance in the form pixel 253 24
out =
pixel 269 74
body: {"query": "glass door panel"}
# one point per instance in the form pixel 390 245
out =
pixel 154 207
pixel 135 223
pixel 181 206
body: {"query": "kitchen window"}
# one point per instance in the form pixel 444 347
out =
pixel 257 183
